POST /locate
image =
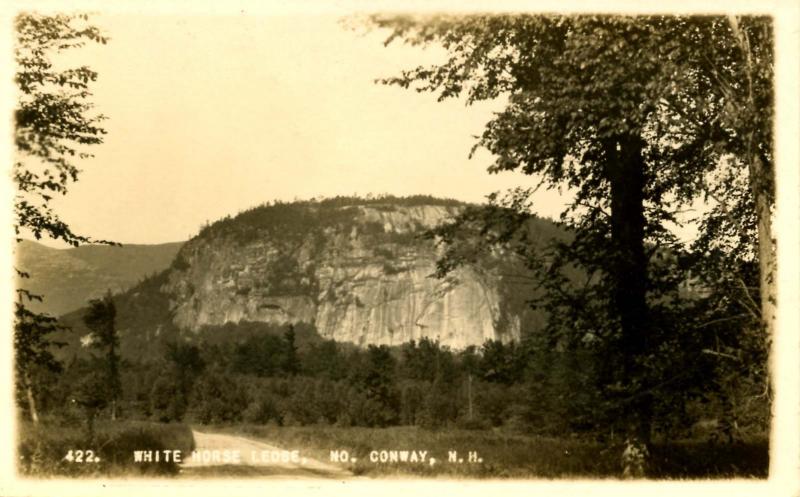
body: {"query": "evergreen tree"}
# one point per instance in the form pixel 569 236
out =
pixel 374 378
pixel 100 319
pixel 291 363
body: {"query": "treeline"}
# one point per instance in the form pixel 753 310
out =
pixel 301 216
pixel 286 376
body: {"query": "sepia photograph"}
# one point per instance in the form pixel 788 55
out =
pixel 362 245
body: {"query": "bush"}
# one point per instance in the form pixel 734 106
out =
pixel 439 407
pixel 475 423
pixel 167 400
pixel 218 399
pixel 120 449
pixel 261 411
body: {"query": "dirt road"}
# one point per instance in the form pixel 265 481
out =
pixel 218 454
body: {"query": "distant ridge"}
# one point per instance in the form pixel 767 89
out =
pixel 67 278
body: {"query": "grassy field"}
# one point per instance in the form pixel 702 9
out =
pixel 43 447
pixel 507 455
pixel 51 448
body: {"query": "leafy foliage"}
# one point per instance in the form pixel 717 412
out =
pixel 52 125
pixel 171 391
pixel 640 116
pixel 511 389
pixel 53 121
pixel 33 350
pixel 374 378
pixel 217 398
pixel 100 319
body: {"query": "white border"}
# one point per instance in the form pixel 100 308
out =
pixel 785 439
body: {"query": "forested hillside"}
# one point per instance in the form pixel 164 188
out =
pixel 68 278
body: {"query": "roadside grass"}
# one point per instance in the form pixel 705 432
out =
pixel 43 448
pixel 704 459
pixel 507 455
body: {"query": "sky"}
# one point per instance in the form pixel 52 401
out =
pixel 211 115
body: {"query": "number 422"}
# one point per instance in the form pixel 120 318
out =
pixel 81 456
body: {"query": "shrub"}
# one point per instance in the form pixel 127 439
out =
pixel 261 411
pixel 218 399
pixel 167 400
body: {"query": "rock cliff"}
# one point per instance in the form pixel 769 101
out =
pixel 358 273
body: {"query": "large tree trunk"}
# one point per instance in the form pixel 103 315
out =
pixel 626 173
pixel 766 244
pixel 762 182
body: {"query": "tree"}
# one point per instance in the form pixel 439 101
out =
pixel 53 123
pixel 100 320
pixel 591 105
pixel 578 108
pixel 324 359
pixel 426 361
pixel 90 393
pixel 262 355
pixel 170 393
pixel 469 363
pixel 168 401
pixel 186 360
pixel 32 351
pixel 730 64
pixel 727 106
pixel 373 377
pixel 501 363
pixel 291 363
pixel 718 117
pixel 217 398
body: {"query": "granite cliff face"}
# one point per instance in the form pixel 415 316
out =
pixel 358 273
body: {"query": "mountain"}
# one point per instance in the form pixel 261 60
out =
pixel 354 270
pixel 68 278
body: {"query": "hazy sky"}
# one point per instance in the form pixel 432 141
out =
pixel 210 115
